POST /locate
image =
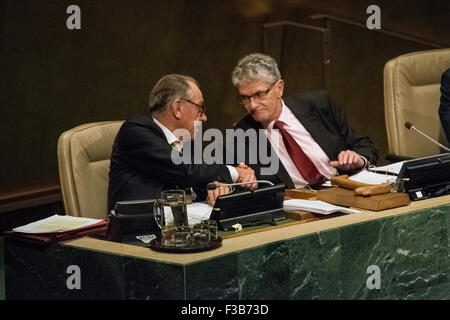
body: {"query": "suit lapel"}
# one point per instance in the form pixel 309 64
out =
pixel 311 120
pixel 282 173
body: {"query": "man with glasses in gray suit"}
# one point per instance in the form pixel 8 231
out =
pixel 310 133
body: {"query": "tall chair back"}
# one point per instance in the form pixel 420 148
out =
pixel 83 159
pixel 412 93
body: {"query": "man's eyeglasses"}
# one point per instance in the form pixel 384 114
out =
pixel 245 100
pixel 202 107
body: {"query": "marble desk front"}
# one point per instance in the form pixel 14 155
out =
pixel 325 259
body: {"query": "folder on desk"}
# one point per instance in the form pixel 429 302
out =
pixel 53 229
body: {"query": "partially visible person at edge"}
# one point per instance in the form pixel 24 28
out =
pixel 444 107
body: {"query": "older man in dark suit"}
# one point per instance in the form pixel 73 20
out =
pixel 142 159
pixel 309 133
pixel 444 107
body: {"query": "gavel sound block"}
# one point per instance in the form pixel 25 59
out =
pixel 361 189
pixel 360 195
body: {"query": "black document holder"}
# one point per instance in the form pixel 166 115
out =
pixel 426 178
pixel 131 218
pixel 263 205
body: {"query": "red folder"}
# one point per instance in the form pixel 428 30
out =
pixel 98 229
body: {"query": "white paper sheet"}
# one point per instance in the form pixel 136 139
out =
pixel 394 167
pixel 369 177
pixel 372 177
pixel 316 206
pixel 198 211
pixel 56 223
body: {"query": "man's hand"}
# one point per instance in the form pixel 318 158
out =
pixel 213 194
pixel 348 161
pixel 246 174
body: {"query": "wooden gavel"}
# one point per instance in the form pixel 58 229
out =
pixel 361 189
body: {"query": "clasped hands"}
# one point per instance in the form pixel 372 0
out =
pixel 348 160
pixel 246 174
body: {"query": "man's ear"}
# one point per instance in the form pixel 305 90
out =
pixel 176 108
pixel 280 88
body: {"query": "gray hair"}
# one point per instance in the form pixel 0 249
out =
pixel 255 66
pixel 167 89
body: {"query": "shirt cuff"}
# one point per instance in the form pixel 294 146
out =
pixel 366 164
pixel 233 173
pixel 364 167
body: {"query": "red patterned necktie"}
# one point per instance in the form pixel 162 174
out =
pixel 304 165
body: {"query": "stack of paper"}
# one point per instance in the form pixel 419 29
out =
pixel 58 228
pixel 372 177
pixel 57 223
pixel 378 175
pixel 316 206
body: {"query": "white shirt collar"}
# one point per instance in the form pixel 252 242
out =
pixel 282 117
pixel 170 137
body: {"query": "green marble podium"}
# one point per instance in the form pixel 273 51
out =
pixel 325 259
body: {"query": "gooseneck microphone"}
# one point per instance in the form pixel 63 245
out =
pixel 213 186
pixel 411 126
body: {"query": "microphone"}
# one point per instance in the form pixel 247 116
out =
pixel 213 186
pixel 410 126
